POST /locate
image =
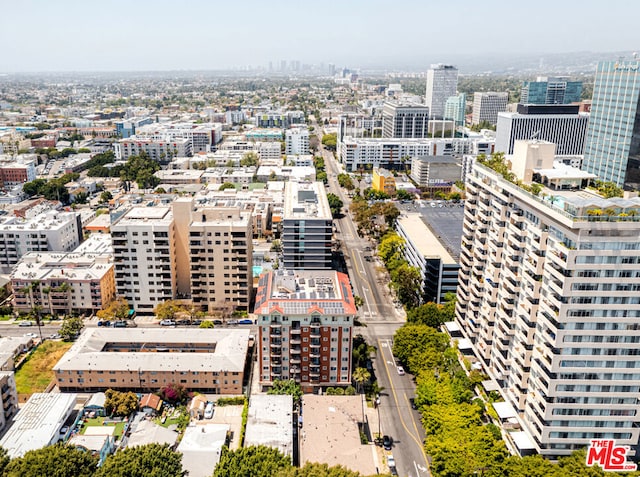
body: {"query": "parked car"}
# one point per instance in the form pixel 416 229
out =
pixel 167 323
pixel 120 324
pixel 245 321
pixel 387 442
pixel 208 411
pixel 217 322
pixel 26 323
pixel 391 463
pixel 183 322
pixel 412 401
pixel 232 322
pixel 196 322
pixel 400 370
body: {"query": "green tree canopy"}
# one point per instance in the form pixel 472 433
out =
pixel 58 460
pixel 120 403
pixel 330 141
pixel 256 461
pixel 286 387
pixel 71 328
pixel 143 461
pixel 227 185
pixel 249 159
pixel 335 204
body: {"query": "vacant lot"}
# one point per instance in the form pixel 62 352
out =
pixel 100 422
pixel 36 373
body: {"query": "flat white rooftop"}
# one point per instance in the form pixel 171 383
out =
pixel 201 446
pixel 37 423
pixel 228 350
pixel 269 422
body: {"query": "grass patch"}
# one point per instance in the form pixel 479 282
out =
pixel 36 373
pixel 99 422
pixel 5 317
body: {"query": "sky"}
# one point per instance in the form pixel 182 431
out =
pixel 143 35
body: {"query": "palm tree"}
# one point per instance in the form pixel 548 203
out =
pixel 361 376
pixel 64 287
pixel 47 291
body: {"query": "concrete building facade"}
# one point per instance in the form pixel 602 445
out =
pixel 487 105
pixel 296 141
pixel 430 170
pixel 404 120
pixel 442 83
pixel 549 299
pixel 307 227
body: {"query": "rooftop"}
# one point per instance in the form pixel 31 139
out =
pixel 306 201
pixel 269 422
pixel 136 215
pixel 226 350
pixel 201 446
pixel 423 238
pixel 303 291
pixel 37 422
pixel 446 225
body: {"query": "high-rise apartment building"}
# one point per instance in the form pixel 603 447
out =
pixel 144 255
pixel 455 109
pixel 305 321
pixel 612 150
pixel 49 231
pixel 550 90
pixel 307 227
pixel 404 120
pixel 487 105
pixel 442 82
pixel 549 298
pixel 213 254
pixel 562 125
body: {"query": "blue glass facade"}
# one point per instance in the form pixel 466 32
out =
pixel 612 149
pixel 552 91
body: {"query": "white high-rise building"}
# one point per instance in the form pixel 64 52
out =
pixel 549 299
pixel 404 120
pixel 296 141
pixel 442 83
pixel 487 105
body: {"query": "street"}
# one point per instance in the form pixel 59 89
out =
pixel 380 319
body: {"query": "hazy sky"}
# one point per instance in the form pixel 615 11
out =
pixel 91 35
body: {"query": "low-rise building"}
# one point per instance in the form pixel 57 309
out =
pixel 146 359
pixel 38 423
pixel 430 170
pixel 269 422
pixel 201 446
pixel 383 181
pixel 8 397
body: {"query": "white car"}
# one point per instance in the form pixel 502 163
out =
pixel 400 370
pixel 208 411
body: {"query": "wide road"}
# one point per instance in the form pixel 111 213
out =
pixel 381 319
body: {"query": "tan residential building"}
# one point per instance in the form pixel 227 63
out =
pixel 8 398
pixel 214 254
pixel 549 299
pixel 146 359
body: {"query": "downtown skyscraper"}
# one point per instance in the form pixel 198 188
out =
pixel 442 83
pixel 612 149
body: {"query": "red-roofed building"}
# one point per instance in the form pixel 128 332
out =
pixel 305 320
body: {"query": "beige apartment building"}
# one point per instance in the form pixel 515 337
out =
pixel 549 297
pixel 214 254
pixel 146 359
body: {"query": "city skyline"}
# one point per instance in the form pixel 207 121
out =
pixel 76 36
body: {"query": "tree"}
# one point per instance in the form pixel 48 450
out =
pixel 120 403
pixel 390 249
pixel 105 197
pixel 71 328
pixel 227 185
pixel 4 460
pixel 168 309
pixel 406 280
pixel 419 347
pixel 335 204
pixel 60 460
pixel 402 194
pixel 430 314
pixel 330 141
pixel 157 460
pixel 249 159
pixel 313 469
pixel 256 461
pixel 207 324
pixel 174 393
pixel 66 289
pixel 286 387
pixel 345 181
pixel 118 309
